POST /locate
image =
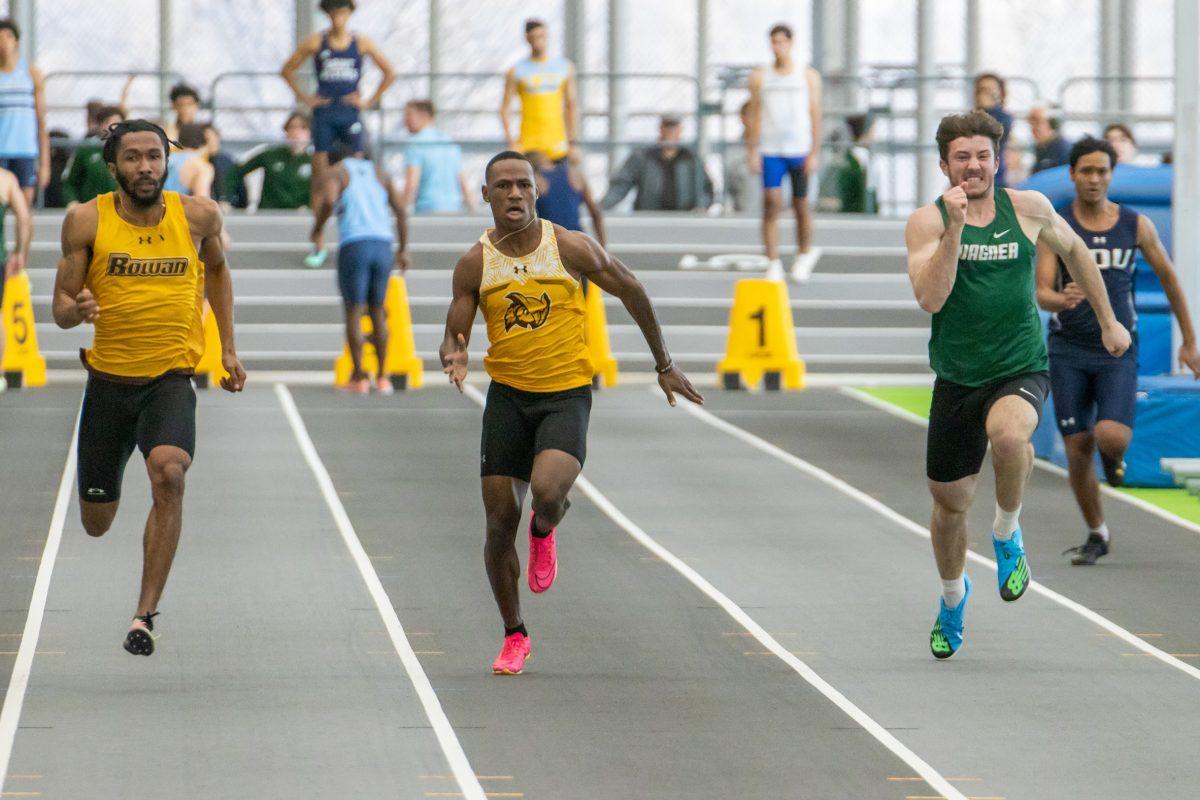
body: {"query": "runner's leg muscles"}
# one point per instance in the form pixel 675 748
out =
pixel 1010 423
pixel 502 500
pixel 554 473
pixel 167 466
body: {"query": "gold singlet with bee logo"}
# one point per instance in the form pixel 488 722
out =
pixel 534 311
pixel 149 284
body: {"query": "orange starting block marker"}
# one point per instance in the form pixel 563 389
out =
pixel 404 367
pixel 762 339
pixel 23 364
pixel 595 334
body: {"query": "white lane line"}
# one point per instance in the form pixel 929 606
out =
pixel 887 511
pixel 931 776
pixel 1041 464
pixel 451 747
pixel 18 682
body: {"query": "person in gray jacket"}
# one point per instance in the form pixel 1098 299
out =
pixel 667 176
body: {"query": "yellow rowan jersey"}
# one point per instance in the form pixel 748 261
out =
pixel 541 86
pixel 149 284
pixel 534 310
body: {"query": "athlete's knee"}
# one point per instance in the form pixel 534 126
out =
pixel 166 475
pixel 950 499
pixel 501 528
pixel 1112 438
pixel 550 502
pixel 770 206
pixel 1079 446
pixel 1007 444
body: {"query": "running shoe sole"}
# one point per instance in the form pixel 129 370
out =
pixel 502 671
pixel 139 642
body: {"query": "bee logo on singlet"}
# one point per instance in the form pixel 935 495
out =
pixel 526 312
pixel 122 265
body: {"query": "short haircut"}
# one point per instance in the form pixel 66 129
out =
pixel 507 155
pixel 191 135
pixel 423 105
pixel 991 76
pixel 1088 145
pixel 113 136
pixel 670 121
pixel 1124 129
pixel 972 123
pixel 780 27
pixel 183 90
pixel 532 25
pixel 329 6
pixel 858 124
pixel 7 24
pixel 104 112
pixel 297 115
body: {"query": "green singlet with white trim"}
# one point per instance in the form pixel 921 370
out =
pixel 989 328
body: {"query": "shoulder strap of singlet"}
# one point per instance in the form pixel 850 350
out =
pixel 941 207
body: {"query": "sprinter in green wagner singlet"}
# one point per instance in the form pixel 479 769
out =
pixel 971 257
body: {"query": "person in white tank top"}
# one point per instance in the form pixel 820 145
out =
pixel 785 139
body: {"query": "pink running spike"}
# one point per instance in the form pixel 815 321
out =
pixel 543 560
pixel 511 660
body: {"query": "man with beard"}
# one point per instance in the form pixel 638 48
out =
pixel 137 264
pixel 971 258
pixel 525 273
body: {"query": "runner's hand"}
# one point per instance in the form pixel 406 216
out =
pixel 810 165
pixel 673 381
pixel 86 306
pixel 15 265
pixel 315 101
pixel 455 363
pixel 754 162
pixel 403 261
pixel 235 381
pixel 1189 358
pixel 1072 296
pixel 955 200
pixel 1116 339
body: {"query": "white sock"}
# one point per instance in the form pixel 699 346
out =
pixel 1005 523
pixel 1102 531
pixel 953 591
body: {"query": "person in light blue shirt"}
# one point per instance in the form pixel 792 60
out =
pixel 434 181
pixel 24 140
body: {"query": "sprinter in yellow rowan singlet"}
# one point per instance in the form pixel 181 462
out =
pixel 137 264
pixel 525 275
pixel 546 88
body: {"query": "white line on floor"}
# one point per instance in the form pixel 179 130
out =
pixel 1042 464
pixel 14 698
pixel 887 511
pixel 931 776
pixel 451 747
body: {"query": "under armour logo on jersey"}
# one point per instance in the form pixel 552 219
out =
pixel 1100 239
pixel 519 268
pixel 145 239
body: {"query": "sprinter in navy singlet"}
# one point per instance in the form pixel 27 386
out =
pixel 1093 392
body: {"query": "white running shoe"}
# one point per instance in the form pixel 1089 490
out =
pixel 775 270
pixel 805 263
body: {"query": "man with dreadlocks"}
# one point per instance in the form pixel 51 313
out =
pixel 137 264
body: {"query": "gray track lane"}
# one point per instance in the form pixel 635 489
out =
pixel 1025 708
pixel 639 686
pixel 274 677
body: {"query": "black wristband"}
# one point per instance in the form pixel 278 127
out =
pixel 664 370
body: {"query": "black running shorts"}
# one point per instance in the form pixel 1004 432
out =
pixel 517 425
pixel 958 440
pixel 117 416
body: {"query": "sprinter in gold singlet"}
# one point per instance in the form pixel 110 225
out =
pixel 525 274
pixel 137 265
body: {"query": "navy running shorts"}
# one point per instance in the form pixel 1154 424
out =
pixel 1090 385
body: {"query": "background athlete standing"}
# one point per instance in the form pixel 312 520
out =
pixel 546 87
pixel 137 264
pixel 338 105
pixel 1094 394
pixel 971 263
pixel 525 275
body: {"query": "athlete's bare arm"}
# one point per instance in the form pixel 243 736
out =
pixel 584 256
pixel 39 110
pixel 570 112
pixel 1034 210
pixel 754 121
pixel 510 91
pixel 933 248
pixel 73 302
pixel 1048 295
pixel 468 277
pixel 1156 255
pixel 398 202
pixel 325 196
pixel 204 220
pixel 14 198
pixel 305 50
pixel 817 116
pixel 368 48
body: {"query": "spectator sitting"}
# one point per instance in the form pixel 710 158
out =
pixel 855 179
pixel 1050 149
pixel 667 176
pixel 561 188
pixel 227 185
pixel 287 168
pixel 434 181
pixel 185 102
pixel 742 185
pixel 990 95
pixel 188 171
pixel 1122 140
pixel 86 174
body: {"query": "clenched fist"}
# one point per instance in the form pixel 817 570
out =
pixel 955 200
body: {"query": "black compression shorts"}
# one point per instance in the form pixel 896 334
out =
pixel 517 425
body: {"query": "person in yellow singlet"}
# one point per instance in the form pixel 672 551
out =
pixel 525 274
pixel 546 86
pixel 137 264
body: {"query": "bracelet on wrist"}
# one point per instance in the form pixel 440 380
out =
pixel 664 370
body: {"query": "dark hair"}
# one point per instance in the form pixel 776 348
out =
pixel 972 123
pixel 859 124
pixel 1117 126
pixel 101 113
pixel 329 6
pixel 780 27
pixel 533 24
pixel 984 76
pixel 422 105
pixel 183 90
pixel 191 135
pixel 507 155
pixel 7 24
pixel 114 134
pixel 297 115
pixel 1088 145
